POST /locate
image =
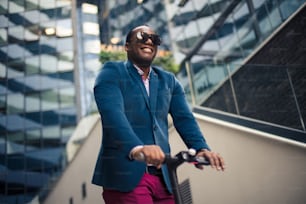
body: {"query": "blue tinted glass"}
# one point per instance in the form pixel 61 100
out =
pixel 49 100
pixel 32 102
pixel 68 116
pixel 33 139
pixel 3 36
pixel 15 103
pixel 50 118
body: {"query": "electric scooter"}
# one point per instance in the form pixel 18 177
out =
pixel 181 194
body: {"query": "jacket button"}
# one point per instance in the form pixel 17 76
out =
pixel 154 127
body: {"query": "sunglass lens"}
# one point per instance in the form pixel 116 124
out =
pixel 143 37
pixel 156 39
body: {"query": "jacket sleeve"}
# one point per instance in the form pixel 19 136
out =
pixel 116 128
pixel 184 120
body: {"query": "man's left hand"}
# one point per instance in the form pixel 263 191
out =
pixel 216 161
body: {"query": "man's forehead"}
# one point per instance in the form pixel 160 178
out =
pixel 143 28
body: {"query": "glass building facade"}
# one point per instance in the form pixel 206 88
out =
pixel 220 45
pixel 48 57
pixel 117 17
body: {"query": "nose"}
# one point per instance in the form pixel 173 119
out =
pixel 149 41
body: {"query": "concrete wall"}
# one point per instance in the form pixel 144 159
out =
pixel 261 169
pixel 80 169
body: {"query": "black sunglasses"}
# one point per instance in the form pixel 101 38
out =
pixel 143 37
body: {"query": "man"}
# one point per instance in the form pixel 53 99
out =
pixel 134 99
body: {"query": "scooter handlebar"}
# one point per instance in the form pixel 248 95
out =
pixel 172 163
pixel 183 156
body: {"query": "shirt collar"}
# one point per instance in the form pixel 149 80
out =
pixel 140 72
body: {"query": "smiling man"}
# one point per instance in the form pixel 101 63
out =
pixel 134 99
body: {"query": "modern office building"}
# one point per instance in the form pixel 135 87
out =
pixel 243 68
pixel 242 61
pixel 117 17
pixel 49 57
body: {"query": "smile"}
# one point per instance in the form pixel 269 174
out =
pixel 147 49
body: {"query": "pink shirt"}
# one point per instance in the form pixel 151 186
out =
pixel 145 81
pixel 147 86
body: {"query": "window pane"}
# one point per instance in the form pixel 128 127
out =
pixel 16 137
pixel 67 132
pixel 2 72
pixel 3 7
pixel 47 15
pixel 15 51
pixel 47 4
pixel 15 34
pixel 16 6
pixel 63 3
pixel 15 103
pixel 65 61
pixel 64 28
pixel 15 68
pixel 31 17
pixel 3 21
pixel 50 118
pixel 63 12
pixel 48 28
pixel 31 33
pixel 33 139
pixel 68 116
pixel 32 102
pixel 66 97
pixel 2 104
pixel 48 63
pixel 49 100
pixel 31 4
pixel 3 36
pixel 64 44
pixel 66 79
pixel 32 65
pixel 51 132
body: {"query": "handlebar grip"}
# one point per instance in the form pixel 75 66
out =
pixel 202 161
pixel 140 157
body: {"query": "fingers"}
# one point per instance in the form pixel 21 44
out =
pixel 153 155
pixel 199 166
pixel 216 161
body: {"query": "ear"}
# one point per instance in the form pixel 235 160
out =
pixel 126 47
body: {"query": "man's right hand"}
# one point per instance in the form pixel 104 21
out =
pixel 153 155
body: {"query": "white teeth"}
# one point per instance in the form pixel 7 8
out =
pixel 147 50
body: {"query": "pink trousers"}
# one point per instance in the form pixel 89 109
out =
pixel 150 190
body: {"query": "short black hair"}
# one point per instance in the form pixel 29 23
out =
pixel 129 36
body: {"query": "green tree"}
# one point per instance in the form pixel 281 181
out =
pixel 112 56
pixel 166 61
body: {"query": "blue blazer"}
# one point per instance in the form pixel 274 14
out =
pixel 130 117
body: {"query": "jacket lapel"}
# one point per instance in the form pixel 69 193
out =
pixel 153 90
pixel 134 74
